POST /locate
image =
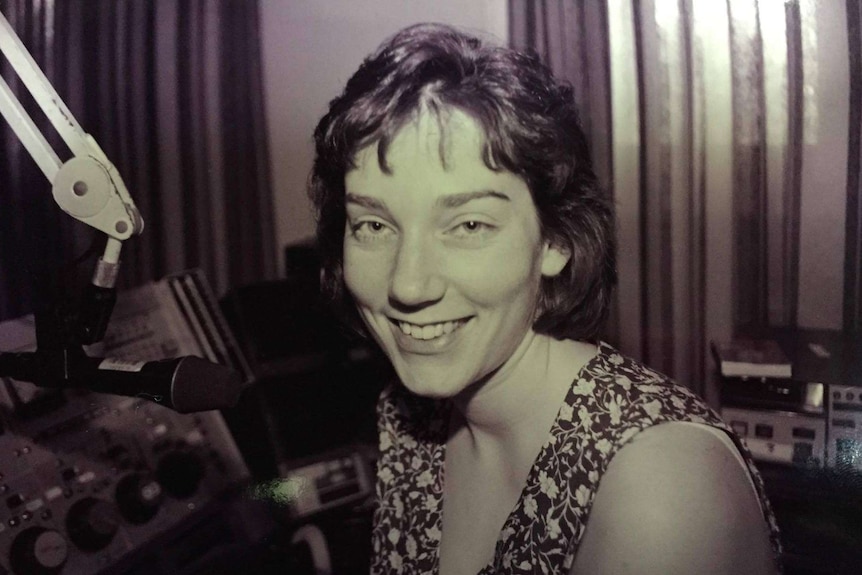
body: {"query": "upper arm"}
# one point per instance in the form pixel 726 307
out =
pixel 675 501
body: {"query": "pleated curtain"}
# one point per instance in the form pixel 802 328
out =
pixel 728 132
pixel 172 91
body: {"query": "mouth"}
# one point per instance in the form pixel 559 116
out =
pixel 428 331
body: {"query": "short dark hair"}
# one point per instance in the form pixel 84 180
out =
pixel 531 129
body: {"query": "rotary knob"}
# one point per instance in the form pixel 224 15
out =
pixel 180 473
pixel 38 551
pixel 92 523
pixel 139 496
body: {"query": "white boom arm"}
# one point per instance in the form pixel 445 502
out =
pixel 87 186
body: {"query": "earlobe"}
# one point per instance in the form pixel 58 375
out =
pixel 554 259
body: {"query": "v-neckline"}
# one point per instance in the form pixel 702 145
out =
pixel 514 513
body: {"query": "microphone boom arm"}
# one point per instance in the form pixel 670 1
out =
pixel 87 187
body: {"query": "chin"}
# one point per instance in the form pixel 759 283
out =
pixel 429 389
pixel 435 385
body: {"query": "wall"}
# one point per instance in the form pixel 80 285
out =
pixel 310 49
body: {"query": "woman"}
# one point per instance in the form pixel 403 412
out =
pixel 463 229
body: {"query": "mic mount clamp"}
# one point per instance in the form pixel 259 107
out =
pixel 59 358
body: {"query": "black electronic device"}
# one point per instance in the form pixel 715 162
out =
pixel 315 388
pixel 284 327
pixel 805 434
pixel 786 437
pixel 307 426
pixel 845 427
pixel 773 394
pixel 812 419
pixel 833 359
pixel 779 420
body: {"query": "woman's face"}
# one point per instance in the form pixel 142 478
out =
pixel 443 256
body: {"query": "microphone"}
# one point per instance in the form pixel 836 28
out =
pixel 186 384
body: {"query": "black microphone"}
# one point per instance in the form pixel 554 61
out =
pixel 186 384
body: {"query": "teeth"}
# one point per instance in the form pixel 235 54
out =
pixel 428 331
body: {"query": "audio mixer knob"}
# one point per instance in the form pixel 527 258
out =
pixel 38 551
pixel 180 473
pixel 92 523
pixel 138 497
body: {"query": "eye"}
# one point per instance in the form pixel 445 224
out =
pixel 470 229
pixel 370 231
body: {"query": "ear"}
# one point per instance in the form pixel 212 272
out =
pixel 554 259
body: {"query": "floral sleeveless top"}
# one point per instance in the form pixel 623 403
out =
pixel 611 400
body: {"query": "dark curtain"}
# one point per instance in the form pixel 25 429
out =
pixel 572 38
pixel 853 223
pixel 729 135
pixel 172 92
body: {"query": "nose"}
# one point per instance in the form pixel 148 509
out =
pixel 415 280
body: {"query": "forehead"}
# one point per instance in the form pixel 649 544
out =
pixel 448 141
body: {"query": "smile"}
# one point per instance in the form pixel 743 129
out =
pixel 428 331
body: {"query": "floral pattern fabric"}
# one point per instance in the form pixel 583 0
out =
pixel 611 400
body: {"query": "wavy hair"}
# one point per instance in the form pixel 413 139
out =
pixel 531 129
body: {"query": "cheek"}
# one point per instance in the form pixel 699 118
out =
pixel 365 277
pixel 512 276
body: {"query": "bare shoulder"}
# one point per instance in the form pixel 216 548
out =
pixel 675 500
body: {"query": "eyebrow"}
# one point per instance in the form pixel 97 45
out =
pixel 457 200
pixel 449 201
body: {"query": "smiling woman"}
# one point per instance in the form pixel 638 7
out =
pixel 463 230
pixel 443 261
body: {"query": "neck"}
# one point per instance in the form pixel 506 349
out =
pixel 499 405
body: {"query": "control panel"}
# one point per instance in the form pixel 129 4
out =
pixel 336 479
pixel 780 436
pixel 845 427
pixel 87 479
pixel 98 477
